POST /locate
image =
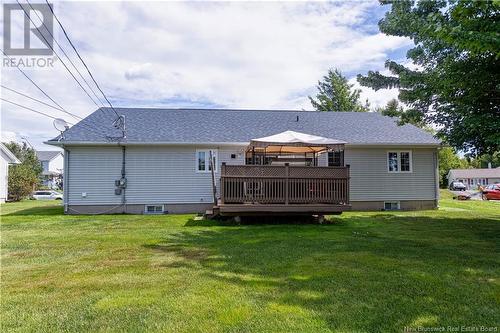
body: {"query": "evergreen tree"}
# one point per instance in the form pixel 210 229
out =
pixel 336 94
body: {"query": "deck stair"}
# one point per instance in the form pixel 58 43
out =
pixel 212 213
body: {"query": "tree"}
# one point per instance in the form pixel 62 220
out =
pixel 454 81
pixel 394 109
pixel 486 160
pixel 336 94
pixel 448 159
pixel 23 177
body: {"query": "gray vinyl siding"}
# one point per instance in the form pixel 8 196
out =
pixel 155 174
pixel 93 171
pixel 370 180
pixel 167 174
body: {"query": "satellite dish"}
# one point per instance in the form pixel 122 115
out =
pixel 61 125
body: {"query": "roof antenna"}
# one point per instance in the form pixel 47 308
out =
pixel 62 126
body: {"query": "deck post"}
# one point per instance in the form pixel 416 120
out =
pixel 287 174
pixel 222 181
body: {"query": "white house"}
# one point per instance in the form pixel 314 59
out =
pixel 472 178
pixel 163 164
pixel 6 159
pixel 52 162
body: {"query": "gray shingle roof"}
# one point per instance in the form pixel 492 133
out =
pixel 215 125
pixel 474 173
pixel 47 155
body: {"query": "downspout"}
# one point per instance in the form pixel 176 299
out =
pixel 436 177
pixel 124 180
pixel 66 181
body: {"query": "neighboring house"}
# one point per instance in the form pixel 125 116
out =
pixel 472 178
pixel 6 159
pixel 52 167
pixel 164 161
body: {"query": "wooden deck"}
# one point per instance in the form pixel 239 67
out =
pixel 269 189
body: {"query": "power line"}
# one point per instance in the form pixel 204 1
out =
pixel 30 109
pixel 69 71
pixel 32 98
pixel 57 55
pixel 28 141
pixel 38 87
pixel 52 117
pixel 78 54
pixel 60 108
pixel 64 52
pixel 119 123
pixel 42 102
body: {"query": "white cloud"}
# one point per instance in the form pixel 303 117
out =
pixel 244 54
pixel 142 71
pixel 377 98
pixel 7 136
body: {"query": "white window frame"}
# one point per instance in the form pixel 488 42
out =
pixel 155 212
pixel 207 160
pixel 398 156
pixel 398 204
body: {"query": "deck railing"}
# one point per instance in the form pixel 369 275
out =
pixel 284 185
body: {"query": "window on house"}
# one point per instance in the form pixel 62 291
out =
pixel 335 158
pixel 393 162
pixel 153 209
pixel 405 160
pixel 391 205
pixel 203 160
pixel 399 161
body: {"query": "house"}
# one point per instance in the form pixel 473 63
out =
pixel 472 178
pixel 164 162
pixel 6 159
pixel 52 162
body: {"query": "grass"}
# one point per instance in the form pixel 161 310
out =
pixel 365 272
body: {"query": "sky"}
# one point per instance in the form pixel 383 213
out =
pixel 248 55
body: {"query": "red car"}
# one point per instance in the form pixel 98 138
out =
pixel 492 192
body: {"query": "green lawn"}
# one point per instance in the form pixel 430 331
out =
pixel 366 272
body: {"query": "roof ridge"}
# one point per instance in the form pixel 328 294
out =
pixel 237 110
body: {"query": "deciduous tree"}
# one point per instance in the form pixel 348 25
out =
pixel 23 177
pixel 448 159
pixel 454 78
pixel 395 109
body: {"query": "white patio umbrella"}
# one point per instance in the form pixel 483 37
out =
pixel 295 142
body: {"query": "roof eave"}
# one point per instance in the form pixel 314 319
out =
pixel 354 145
pixel 10 155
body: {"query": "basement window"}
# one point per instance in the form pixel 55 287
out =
pixel 392 205
pixel 153 209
